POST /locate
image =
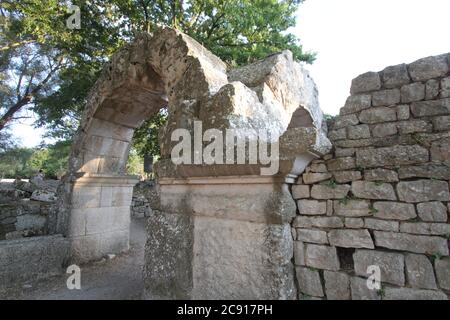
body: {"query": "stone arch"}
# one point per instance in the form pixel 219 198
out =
pixel 198 203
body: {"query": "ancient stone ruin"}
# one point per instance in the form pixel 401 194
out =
pixel 368 188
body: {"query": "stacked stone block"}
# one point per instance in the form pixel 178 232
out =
pixel 382 197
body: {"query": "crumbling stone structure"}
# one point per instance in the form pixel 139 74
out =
pixel 382 196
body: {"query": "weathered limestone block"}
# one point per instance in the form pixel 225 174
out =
pixel 329 192
pixel 394 210
pixel 356 103
pixel 300 191
pixel 338 134
pixel 309 281
pixel 346 176
pixel 395 76
pixel 345 163
pixel 384 129
pixel 442 267
pixel 317 167
pixel 431 108
pixel 441 123
pixel 352 208
pixel 373 190
pixel 350 238
pixel 43 195
pixel 380 174
pixel 361 131
pixel 322 257
pixel 377 115
pixel 317 222
pixel 413 294
pixel 419 272
pixel 431 89
pixel 312 236
pixel 423 190
pixel 354 223
pixel 369 81
pixel 425 228
pixel 445 87
pixel 428 68
pixel 413 92
pixel 312 207
pixel 345 121
pixel 391 265
pixel 299 253
pixel 403 112
pixel 386 97
pixel 391 156
pixel 313 177
pixel 440 150
pixel 360 290
pixel 434 171
pixel 411 243
pixel 337 285
pixel 382 225
pixel 432 211
pixel 413 126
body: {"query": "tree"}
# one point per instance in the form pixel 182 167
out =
pixel 50 68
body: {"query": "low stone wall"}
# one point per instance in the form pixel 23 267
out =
pixel 382 197
pixel 145 197
pixel 26 208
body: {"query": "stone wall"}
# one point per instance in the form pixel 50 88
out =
pixel 382 196
pixel 144 198
pixel 26 208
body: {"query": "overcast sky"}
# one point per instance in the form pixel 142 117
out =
pixel 352 37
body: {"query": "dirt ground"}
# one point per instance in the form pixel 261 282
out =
pixel 117 278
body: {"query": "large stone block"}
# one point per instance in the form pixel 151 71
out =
pixel 391 265
pixel 312 236
pixel 312 207
pixel 313 177
pixel 384 130
pixel 432 171
pixel 337 285
pixel 361 131
pixel 344 163
pixel 431 89
pixel 386 97
pixel 350 238
pixel 413 92
pixel 369 81
pixel 380 174
pixel 361 291
pixel 345 121
pixel 395 76
pixel 394 210
pixel 317 222
pixel 352 208
pixel 356 103
pixel 428 68
pixel 300 191
pixel 309 282
pixel 440 150
pixel 299 253
pixel 413 294
pixel 411 243
pixel 425 228
pixel 414 126
pixel 432 211
pixel 329 192
pixel 383 225
pixel 431 108
pixel 377 115
pixel 391 156
pixel 423 190
pixel 441 123
pixel 419 272
pixel 442 267
pixel 346 176
pixel 373 190
pixel 321 257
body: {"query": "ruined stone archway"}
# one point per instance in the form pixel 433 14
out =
pixel 222 230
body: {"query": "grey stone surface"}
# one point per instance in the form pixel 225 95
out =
pixel 425 228
pixel 413 92
pixel 300 191
pixel 312 207
pixel 377 115
pixel 309 282
pixel 419 272
pixel 391 265
pixel 432 211
pixel 384 129
pixel 317 222
pixel 352 208
pixel 386 97
pixel 299 253
pixel 354 223
pixel 369 81
pixel 373 190
pixel 412 243
pixel 321 257
pixel 339 164
pixel 383 225
pixel 391 156
pixel 445 87
pixel 346 176
pixel 403 112
pixel 431 89
pixel 413 294
pixel 440 150
pixel 314 177
pixel 423 190
pixel 32 258
pixel 442 267
pixel 361 131
pixel 350 238
pixel 380 174
pixel 414 126
pixel 434 171
pixel 329 192
pixel 394 210
pixel 441 123
pixel 356 103
pixel 337 285
pixel 43 195
pixel 345 121
pixel 427 68
pixel 431 108
pixel 312 236
pixel 395 76
pixel 360 291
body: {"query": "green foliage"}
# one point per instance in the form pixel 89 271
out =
pixel 135 163
pixel 145 139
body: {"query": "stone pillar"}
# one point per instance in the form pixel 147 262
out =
pixel 221 238
pixel 99 219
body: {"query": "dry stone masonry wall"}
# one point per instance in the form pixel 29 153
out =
pixel 382 196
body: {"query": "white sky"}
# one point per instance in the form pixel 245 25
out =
pixel 352 37
pixel 355 36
